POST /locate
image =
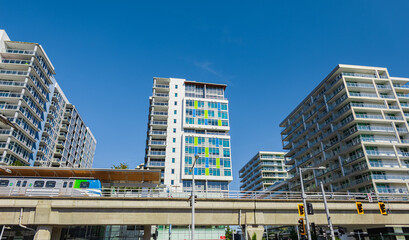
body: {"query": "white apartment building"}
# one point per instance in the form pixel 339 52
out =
pixel 186 119
pixel 34 105
pixel 355 123
pixel 263 171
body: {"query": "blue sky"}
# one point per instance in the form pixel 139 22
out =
pixel 270 53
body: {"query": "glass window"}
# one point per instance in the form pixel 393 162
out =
pixel 50 184
pixel 174 130
pixel 18 183
pixel 70 185
pixel 24 184
pixel 175 112
pixel 38 184
pixel 176 103
pixel 174 139
pixel 64 185
pixel 173 160
pixel 173 171
pixel 174 120
pixel 176 95
pixel 176 86
pixel 173 149
pixel 84 185
pixel 172 182
pixel 4 183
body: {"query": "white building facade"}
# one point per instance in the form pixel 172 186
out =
pixel 33 108
pixel 263 171
pixel 186 119
pixel 354 123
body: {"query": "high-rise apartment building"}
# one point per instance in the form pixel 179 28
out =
pixel 263 171
pixel 33 109
pixel 355 123
pixel 186 119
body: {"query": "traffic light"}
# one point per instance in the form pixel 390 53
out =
pixel 341 231
pixel 310 210
pixel 301 226
pixel 301 211
pixel 382 208
pixel 359 208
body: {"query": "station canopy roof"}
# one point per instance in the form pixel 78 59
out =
pixel 113 177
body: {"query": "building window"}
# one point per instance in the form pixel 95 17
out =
pixel 176 95
pixel 174 120
pixel 176 103
pixel 172 182
pixel 173 149
pixel 174 130
pixel 176 86
pixel 174 139
pixel 175 112
pixel 173 160
pixel 173 171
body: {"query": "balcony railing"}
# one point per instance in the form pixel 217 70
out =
pixel 351 74
pixel 20 51
pixel 16 61
pixel 371 116
pixel 161 86
pixel 157 153
pixel 362 85
pixel 380 153
pixel 363 94
pixel 390 177
pixel 377 139
pixel 366 105
pixel 161 95
pixel 14 72
pixel 158 132
pixel 375 128
pixel 154 142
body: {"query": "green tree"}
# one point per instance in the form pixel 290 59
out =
pixel 17 163
pixel 254 237
pixel 228 233
pixel 293 234
pixel 120 166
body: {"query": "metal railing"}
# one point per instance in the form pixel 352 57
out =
pixel 226 194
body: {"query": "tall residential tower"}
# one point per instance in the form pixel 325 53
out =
pixel 355 123
pixel 186 119
pixel 33 110
pixel 263 171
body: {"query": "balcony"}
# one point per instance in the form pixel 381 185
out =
pixel 162 95
pixel 381 153
pixel 371 95
pixel 393 117
pixel 369 116
pixel 375 128
pixel 387 87
pixel 401 86
pixel 379 140
pixel 352 74
pixel 155 164
pixel 366 105
pixel 387 96
pixel 159 113
pixel 384 165
pixel 390 177
pixel 19 51
pixel 16 61
pixel 157 142
pixel 13 72
pixel 160 104
pixel 161 86
pixel 162 133
pixel 157 153
pixel 360 85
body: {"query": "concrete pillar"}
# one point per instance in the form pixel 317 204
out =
pixel 257 229
pixel 43 233
pixel 147 232
pixel 399 230
pixel 56 233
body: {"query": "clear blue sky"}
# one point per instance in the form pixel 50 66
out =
pixel 270 53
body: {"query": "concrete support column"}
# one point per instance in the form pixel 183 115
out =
pixel 257 229
pixel 147 232
pixel 43 233
pixel 56 233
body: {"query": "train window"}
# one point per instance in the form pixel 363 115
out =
pixel 50 184
pixel 4 183
pixel 84 185
pixel 38 184
pixel 24 184
pixel 70 185
pixel 18 183
pixel 64 185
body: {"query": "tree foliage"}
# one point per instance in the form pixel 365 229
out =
pixel 120 166
pixel 228 233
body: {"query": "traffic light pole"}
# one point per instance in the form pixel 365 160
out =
pixel 304 200
pixel 327 211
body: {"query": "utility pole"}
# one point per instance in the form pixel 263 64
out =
pixel 327 211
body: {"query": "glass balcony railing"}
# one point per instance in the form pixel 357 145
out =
pixel 157 153
pixel 380 153
pixel 13 72
pixel 351 74
pixel 376 139
pixel 372 95
pixel 155 164
pixel 400 86
pixel 375 128
pixel 362 85
pixel 161 86
pixel 155 142
pixel 158 132
pixel 20 51
pixel 371 116
pixel 161 95
pixel 366 105
pixel 16 61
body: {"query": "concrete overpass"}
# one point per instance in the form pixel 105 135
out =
pixel 53 213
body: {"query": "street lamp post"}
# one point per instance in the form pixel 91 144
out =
pixel 193 197
pixel 304 200
pixel 327 211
